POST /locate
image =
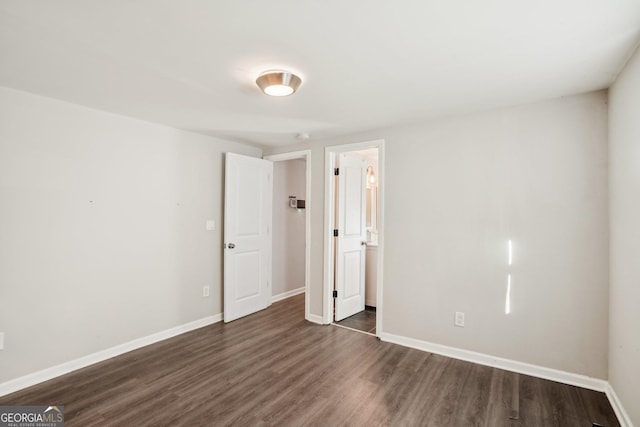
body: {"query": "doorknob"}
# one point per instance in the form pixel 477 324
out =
pixel 363 243
pixel 231 246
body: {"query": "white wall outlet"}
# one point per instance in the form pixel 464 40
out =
pixel 211 224
pixel 1 340
pixel 205 291
pixel 459 320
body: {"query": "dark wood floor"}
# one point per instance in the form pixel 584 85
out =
pixel 364 321
pixel 274 368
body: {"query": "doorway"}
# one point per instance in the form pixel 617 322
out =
pixel 354 240
pixel 291 225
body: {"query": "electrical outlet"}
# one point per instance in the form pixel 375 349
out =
pixel 205 291
pixel 459 320
pixel 1 340
pixel 210 225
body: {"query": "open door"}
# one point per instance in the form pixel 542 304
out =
pixel 352 237
pixel 247 235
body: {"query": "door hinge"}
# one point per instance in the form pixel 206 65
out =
pixel 335 233
pixel 336 171
pixel 335 294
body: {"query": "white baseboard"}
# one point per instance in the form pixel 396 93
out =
pixel 616 404
pixel 456 353
pixel 498 362
pixel 315 319
pixel 82 362
pixel 285 295
pixel 520 367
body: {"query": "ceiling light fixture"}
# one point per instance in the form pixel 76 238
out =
pixel 278 83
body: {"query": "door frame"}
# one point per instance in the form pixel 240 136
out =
pixel 306 155
pixel 330 154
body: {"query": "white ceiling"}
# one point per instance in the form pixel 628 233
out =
pixel 365 64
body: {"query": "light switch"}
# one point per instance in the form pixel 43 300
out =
pixel 1 340
pixel 459 320
pixel 211 224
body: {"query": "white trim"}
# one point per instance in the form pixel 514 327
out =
pixel 303 154
pixel 329 162
pixel 90 359
pixel 616 404
pixel 381 239
pixel 469 356
pixel 327 231
pixel 287 294
pixel 499 362
pixel 314 319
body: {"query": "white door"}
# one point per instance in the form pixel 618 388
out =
pixel 247 236
pixel 350 246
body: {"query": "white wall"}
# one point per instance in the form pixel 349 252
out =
pixel 102 229
pixel 624 328
pixel 289 179
pixel 456 190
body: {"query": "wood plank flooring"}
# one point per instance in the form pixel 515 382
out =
pixel 275 368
